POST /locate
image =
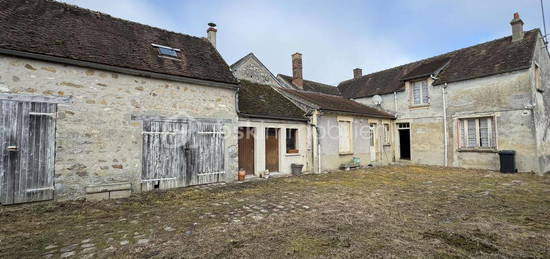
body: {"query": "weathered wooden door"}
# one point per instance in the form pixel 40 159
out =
pixel 246 149
pixel 27 151
pixel 206 153
pixel 164 154
pixel 272 149
pixel 181 153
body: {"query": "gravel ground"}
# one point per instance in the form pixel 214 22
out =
pixel 398 211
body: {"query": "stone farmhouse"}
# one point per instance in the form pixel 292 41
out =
pixel 96 107
pixel 336 131
pixel 274 133
pixel 461 108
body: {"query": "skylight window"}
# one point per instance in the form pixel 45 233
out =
pixel 165 51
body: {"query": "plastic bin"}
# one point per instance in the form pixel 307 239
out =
pixel 296 169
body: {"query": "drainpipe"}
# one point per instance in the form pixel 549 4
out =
pixel 446 143
pixel 313 123
pixel 395 127
pixel 395 101
pixel 318 148
pixel 445 137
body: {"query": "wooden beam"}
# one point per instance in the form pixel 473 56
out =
pixel 34 98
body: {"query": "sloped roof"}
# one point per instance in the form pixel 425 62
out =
pixel 490 58
pixel 250 56
pixel 264 101
pixel 312 86
pixel 334 103
pixel 66 31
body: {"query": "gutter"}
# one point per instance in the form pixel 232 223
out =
pixel 122 70
pixel 247 115
pixel 361 114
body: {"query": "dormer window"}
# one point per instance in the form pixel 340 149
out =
pixel 165 51
pixel 420 95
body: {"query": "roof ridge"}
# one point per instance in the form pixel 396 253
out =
pixel 241 59
pixel 311 81
pixel 120 19
pixel 437 56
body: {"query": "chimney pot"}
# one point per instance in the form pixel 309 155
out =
pixel 517 28
pixel 357 73
pixel 211 32
pixel 297 76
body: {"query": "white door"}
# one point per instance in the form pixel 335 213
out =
pixel 372 137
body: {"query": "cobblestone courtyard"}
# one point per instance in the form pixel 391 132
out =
pixel 386 211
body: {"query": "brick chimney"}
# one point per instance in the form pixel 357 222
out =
pixel 357 73
pixel 211 31
pixel 297 76
pixel 517 28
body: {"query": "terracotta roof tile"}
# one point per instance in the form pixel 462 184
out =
pixel 312 86
pixel 66 31
pixel 264 101
pixel 333 103
pixel 490 58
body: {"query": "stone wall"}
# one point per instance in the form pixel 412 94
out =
pixel 502 96
pixel 251 70
pixel 97 142
pixel 541 100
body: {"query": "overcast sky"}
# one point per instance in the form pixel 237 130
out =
pixel 333 36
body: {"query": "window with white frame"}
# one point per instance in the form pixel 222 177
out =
pixel 420 93
pixel 345 136
pixel 477 132
pixel 386 133
pixel 291 141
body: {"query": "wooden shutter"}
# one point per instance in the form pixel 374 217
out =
pixel 425 95
pixel 27 151
pixel 207 153
pixel 164 154
pixel 416 93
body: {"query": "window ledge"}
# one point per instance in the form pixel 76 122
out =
pixel 478 150
pixel 346 153
pixel 293 154
pixel 419 106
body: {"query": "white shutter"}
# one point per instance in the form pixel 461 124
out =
pixel 344 136
pixel 425 96
pixel 416 92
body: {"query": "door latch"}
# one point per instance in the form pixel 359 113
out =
pixel 13 149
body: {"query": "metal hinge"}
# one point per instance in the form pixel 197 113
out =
pixel 52 115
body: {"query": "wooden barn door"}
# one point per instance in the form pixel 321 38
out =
pixel 27 151
pixel 246 149
pixel 206 153
pixel 272 149
pixel 178 154
pixel 164 154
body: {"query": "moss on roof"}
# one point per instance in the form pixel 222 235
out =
pixel 264 101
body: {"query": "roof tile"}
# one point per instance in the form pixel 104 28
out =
pixel 62 30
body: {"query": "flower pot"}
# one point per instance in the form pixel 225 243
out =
pixel 242 175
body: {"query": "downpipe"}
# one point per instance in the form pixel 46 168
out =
pixel 445 133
